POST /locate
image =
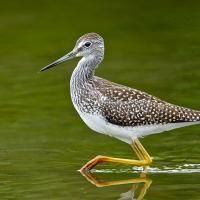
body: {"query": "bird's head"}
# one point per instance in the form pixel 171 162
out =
pixel 90 44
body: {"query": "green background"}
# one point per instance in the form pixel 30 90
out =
pixel 153 46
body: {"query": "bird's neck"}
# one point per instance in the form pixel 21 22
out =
pixel 82 76
pixel 85 69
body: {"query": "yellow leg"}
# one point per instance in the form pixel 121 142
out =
pixel 143 153
pixel 144 158
pixel 137 151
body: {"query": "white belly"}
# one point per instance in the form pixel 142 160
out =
pixel 128 133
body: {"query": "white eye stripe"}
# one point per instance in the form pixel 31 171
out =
pixel 80 44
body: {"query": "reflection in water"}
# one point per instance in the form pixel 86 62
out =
pixel 129 195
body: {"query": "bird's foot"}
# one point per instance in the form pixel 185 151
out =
pixel 92 163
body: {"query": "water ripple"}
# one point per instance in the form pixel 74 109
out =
pixel 177 169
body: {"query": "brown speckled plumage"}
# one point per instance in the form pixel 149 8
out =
pixel 125 106
pixel 118 104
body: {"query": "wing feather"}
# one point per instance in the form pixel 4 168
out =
pixel 125 106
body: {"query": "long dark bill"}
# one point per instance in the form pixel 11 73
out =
pixel 68 56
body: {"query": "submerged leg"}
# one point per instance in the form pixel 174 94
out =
pixel 144 158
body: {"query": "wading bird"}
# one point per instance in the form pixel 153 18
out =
pixel 116 110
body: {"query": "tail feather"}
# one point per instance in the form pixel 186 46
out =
pixel 188 115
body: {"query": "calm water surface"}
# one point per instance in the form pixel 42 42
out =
pixel 153 46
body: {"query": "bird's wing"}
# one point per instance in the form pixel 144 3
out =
pixel 125 106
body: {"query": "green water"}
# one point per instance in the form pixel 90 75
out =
pixel 150 45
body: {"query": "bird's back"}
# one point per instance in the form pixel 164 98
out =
pixel 124 106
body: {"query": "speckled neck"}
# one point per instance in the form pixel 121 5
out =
pixel 82 74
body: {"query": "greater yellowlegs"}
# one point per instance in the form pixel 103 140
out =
pixel 116 110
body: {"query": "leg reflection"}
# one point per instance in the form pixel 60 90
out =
pixel 127 195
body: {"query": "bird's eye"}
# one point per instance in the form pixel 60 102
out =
pixel 88 44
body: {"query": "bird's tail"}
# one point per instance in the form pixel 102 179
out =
pixel 194 116
pixel 188 115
